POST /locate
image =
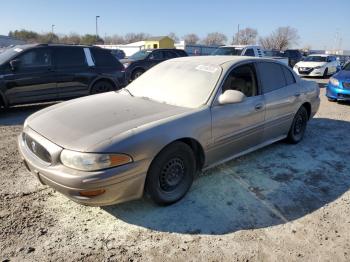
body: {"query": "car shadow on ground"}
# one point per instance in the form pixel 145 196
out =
pixel 17 115
pixel 272 186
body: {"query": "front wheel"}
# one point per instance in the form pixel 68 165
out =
pixel 297 130
pixel 171 174
pixel 325 73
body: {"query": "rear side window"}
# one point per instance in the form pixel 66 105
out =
pixel 170 54
pixel 288 75
pixel 103 58
pixel 70 57
pixel 272 76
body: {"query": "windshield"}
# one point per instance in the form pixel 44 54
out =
pixel 228 51
pixel 185 84
pixel 140 55
pixel 9 53
pixel 315 59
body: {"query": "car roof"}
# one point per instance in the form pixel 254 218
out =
pixel 223 61
pixel 322 55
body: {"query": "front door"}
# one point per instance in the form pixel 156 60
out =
pixel 238 127
pixel 33 80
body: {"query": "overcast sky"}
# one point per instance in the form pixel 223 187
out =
pixel 318 22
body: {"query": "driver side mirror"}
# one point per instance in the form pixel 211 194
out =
pixel 231 97
pixel 14 64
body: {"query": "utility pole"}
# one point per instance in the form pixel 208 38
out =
pixel 238 34
pixel 97 27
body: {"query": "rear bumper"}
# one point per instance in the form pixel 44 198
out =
pixel 337 93
pixel 120 184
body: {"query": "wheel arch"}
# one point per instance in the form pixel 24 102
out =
pixel 100 79
pixel 307 106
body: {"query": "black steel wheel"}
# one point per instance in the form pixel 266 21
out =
pixel 171 174
pixel 297 130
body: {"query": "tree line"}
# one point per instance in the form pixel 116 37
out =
pixel 280 39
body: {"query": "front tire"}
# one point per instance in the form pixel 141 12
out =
pixel 332 100
pixel 171 174
pixel 325 73
pixel 297 130
pixel 137 73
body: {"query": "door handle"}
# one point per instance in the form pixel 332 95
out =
pixel 258 107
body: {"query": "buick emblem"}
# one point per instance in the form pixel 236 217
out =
pixel 33 144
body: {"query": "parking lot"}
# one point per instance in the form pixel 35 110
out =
pixel 281 203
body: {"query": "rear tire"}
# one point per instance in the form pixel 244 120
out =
pixel 102 87
pixel 171 174
pixel 137 73
pixel 297 130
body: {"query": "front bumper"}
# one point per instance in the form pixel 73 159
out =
pixel 311 72
pixel 337 93
pixel 120 184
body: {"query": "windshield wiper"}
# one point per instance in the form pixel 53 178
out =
pixel 128 92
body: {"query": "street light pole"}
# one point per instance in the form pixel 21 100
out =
pixel 97 27
pixel 52 26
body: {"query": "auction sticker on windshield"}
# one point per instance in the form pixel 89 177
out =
pixel 207 68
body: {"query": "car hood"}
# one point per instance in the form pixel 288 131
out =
pixel 343 75
pixel 311 64
pixel 83 123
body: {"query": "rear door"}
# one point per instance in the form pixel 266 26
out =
pixel 33 80
pixel 240 126
pixel 281 94
pixel 72 71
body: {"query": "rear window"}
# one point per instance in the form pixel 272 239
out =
pixel 272 76
pixel 70 56
pixel 103 58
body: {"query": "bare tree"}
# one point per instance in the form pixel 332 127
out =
pixel 246 36
pixel 280 39
pixel 114 40
pixel 191 39
pixel 173 36
pixel 215 38
pixel 132 37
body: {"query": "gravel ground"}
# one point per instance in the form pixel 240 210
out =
pixel 281 203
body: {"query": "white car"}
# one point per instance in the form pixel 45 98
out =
pixel 317 65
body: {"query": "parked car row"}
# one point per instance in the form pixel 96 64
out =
pixel 180 117
pixel 317 65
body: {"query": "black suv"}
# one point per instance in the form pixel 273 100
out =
pixel 143 60
pixel 294 56
pixel 41 72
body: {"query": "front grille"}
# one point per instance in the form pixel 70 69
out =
pixel 37 149
pixel 346 84
pixel 305 70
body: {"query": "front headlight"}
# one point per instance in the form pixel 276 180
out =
pixel 126 65
pixel 92 161
pixel 334 81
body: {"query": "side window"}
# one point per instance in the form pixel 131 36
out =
pixel 272 76
pixel 288 75
pixel 158 55
pixel 242 78
pixel 70 57
pixel 103 58
pixel 40 57
pixel 170 54
pixel 249 52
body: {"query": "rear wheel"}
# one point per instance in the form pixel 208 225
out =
pixel 101 87
pixel 137 73
pixel 171 174
pixel 297 130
